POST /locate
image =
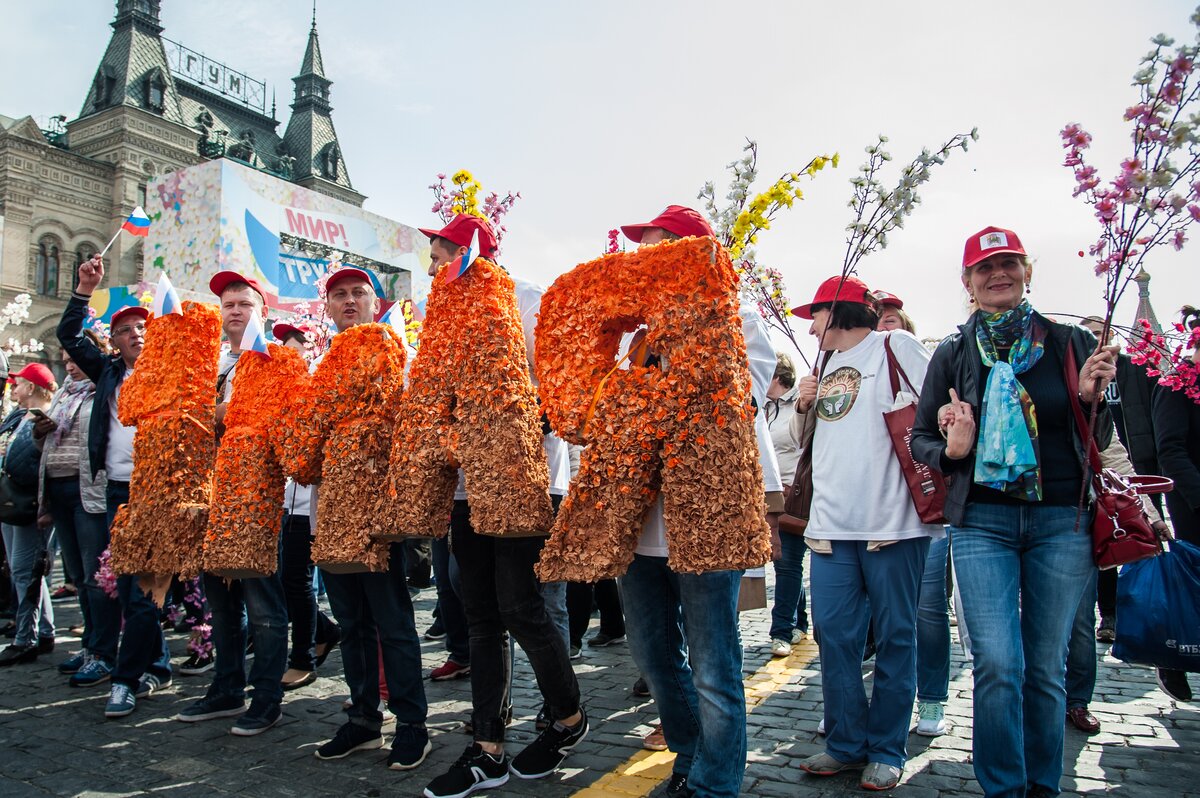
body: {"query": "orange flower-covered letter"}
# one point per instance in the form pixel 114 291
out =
pixel 470 401
pixel 683 429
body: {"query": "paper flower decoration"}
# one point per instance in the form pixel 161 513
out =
pixel 170 397
pixel 684 430
pixel 470 401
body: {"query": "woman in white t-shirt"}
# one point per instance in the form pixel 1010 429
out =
pixel 868 544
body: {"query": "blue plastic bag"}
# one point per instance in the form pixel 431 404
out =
pixel 1158 610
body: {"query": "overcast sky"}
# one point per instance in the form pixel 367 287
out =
pixel 603 113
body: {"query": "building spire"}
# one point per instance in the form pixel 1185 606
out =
pixel 1144 309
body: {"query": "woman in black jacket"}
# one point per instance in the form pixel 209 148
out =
pixel 1022 551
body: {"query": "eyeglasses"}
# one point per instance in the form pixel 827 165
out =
pixel 126 329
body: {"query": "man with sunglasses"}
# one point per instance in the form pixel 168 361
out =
pixel 143 660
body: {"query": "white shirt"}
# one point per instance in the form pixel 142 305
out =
pixel 529 302
pixel 859 492
pixel 297 498
pixel 761 357
pixel 118 459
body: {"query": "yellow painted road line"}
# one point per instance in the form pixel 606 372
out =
pixel 639 775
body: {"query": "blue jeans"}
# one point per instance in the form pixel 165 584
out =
pixel 26 546
pixel 143 648
pixel 683 634
pixel 83 537
pixel 450 608
pixel 1021 571
pixel 789 611
pixel 933 627
pixel 375 611
pixel 852 588
pixel 257 604
pixel 1081 649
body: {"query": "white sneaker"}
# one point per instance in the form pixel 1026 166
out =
pixel 798 636
pixel 821 727
pixel 780 648
pixel 931 719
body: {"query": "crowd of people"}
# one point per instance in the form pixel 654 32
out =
pixel 992 418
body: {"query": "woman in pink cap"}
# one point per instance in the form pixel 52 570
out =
pixel 1015 464
pixel 25 540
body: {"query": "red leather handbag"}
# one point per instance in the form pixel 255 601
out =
pixel 926 486
pixel 1121 530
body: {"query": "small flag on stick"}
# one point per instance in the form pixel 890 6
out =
pixel 166 299
pixel 138 224
pixel 254 339
pixel 458 268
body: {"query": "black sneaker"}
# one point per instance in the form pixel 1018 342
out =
pixel 1107 633
pixel 677 787
pixel 1174 684
pixel 410 746
pixel 262 715
pixel 350 737
pixel 601 640
pixel 474 770
pixel 213 707
pixel 543 756
pixel 641 689
pixel 435 631
pixel 196 665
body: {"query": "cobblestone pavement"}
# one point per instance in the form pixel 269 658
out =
pixel 54 739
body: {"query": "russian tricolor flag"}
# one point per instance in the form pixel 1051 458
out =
pixel 138 223
pixel 458 268
pixel 254 339
pixel 166 299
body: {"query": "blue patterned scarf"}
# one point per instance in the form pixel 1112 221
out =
pixel 1008 458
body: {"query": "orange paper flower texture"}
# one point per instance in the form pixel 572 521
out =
pixel 170 397
pixel 355 391
pixel 243 526
pixel 470 401
pixel 684 430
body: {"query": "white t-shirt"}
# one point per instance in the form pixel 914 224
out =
pixel 529 302
pixel 761 357
pixel 859 492
pixel 297 498
pixel 118 459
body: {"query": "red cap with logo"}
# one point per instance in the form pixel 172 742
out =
pixel 850 289
pixel 132 310
pixel 36 373
pixel 678 219
pixel 345 273
pixel 460 229
pixel 988 242
pixel 221 280
pixel 283 329
pixel 889 300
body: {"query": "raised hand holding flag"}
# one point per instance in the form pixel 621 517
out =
pixel 138 224
pixel 458 268
pixel 254 339
pixel 166 298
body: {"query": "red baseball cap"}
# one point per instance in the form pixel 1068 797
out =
pixel 460 229
pixel 851 289
pixel 221 280
pixel 988 242
pixel 345 273
pixel 36 373
pixel 889 300
pixel 678 219
pixel 282 329
pixel 135 310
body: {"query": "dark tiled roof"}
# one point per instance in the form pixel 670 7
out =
pixel 233 117
pixel 312 63
pixel 132 58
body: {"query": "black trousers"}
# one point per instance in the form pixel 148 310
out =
pixel 310 626
pixel 583 597
pixel 500 593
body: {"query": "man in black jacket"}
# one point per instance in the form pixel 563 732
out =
pixel 143 660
